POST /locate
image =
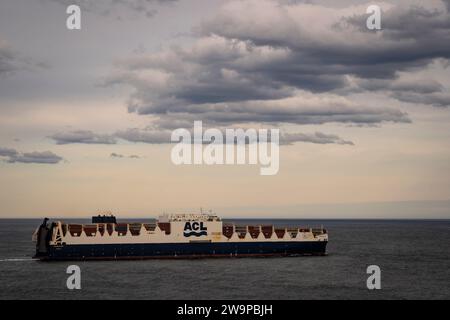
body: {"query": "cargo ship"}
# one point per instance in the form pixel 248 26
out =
pixel 172 236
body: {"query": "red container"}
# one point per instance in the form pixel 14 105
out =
pixel 75 230
pixel 228 230
pixel 164 227
pixel 280 233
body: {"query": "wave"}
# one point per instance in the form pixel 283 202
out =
pixel 196 234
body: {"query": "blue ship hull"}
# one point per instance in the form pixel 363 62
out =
pixel 183 250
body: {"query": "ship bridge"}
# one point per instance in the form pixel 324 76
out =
pixel 188 217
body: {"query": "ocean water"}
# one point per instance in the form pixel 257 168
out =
pixel 414 258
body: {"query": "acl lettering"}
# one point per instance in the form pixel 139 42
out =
pixel 196 229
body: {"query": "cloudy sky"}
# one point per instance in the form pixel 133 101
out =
pixel 85 116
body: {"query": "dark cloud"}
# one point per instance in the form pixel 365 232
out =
pixel 46 157
pixel 131 135
pixel 257 60
pixel 6 152
pixel 145 136
pixel 274 63
pixel 84 137
pixel 302 109
pixel 417 91
pixel 117 8
pixel 422 86
pixel 447 4
pixel 434 99
pixel 116 155
pixel 12 61
pixel 7 59
pixel 154 135
pixel 260 61
pixel 317 138
pixel 418 24
pixel 150 137
pixel 411 35
pixel 120 156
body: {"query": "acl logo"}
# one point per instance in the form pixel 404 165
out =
pixel 196 229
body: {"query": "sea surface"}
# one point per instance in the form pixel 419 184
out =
pixel 414 258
